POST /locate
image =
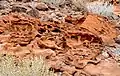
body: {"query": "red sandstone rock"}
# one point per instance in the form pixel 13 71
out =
pixel 106 67
pixel 66 47
pixel 100 27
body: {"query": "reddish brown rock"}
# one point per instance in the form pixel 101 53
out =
pixel 67 47
pixel 106 67
pixel 101 27
pixel 22 29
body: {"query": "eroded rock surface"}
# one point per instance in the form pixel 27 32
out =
pixel 67 47
pixel 104 68
pixel 101 27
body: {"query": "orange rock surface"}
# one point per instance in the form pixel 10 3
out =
pixel 63 45
pixel 100 27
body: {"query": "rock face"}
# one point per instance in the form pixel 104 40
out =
pixel 70 39
pixel 67 47
pixel 21 29
pixel 101 27
pixel 105 68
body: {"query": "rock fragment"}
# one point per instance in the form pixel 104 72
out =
pixel 42 7
pixel 4 4
pixel 19 8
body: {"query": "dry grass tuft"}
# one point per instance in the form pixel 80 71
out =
pixel 101 8
pixel 27 67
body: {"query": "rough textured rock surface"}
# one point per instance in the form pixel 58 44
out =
pixel 71 40
pixel 20 28
pixel 102 68
pixel 101 27
pixel 68 47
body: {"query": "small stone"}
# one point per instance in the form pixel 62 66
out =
pixel 51 6
pixel 69 69
pixel 58 14
pixel 33 13
pixel 19 8
pixel 53 15
pixel 42 7
pixel 117 39
pixel 66 74
pixel 26 0
pixel 105 54
pixel 4 4
pixel 81 73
